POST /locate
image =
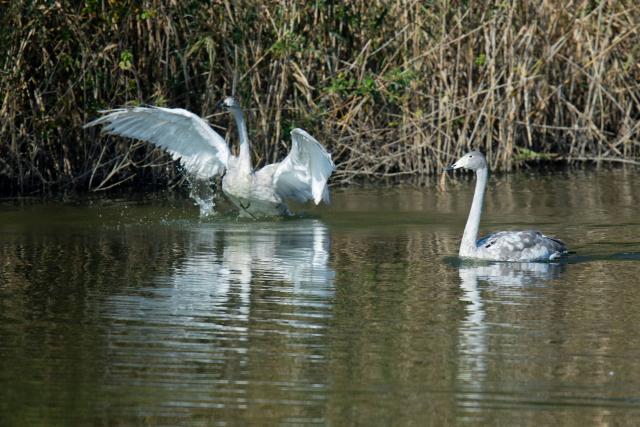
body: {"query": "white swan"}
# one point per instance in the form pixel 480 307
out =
pixel 302 175
pixel 530 245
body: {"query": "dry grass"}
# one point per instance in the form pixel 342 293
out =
pixel 393 88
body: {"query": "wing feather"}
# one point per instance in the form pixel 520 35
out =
pixel 303 174
pixel 202 152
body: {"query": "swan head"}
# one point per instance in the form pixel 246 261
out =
pixel 473 160
pixel 230 103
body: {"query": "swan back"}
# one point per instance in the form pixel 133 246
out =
pixel 529 245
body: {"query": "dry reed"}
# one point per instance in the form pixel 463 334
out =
pixel 393 88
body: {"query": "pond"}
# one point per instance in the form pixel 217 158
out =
pixel 129 309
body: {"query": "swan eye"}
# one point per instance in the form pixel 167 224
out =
pixel 470 156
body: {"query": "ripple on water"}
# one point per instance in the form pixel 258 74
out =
pixel 139 312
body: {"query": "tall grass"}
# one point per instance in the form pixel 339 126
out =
pixel 393 88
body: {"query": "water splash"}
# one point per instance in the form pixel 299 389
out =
pixel 202 193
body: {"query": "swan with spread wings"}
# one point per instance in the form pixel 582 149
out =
pixel 302 175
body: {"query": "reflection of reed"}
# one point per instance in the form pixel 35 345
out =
pixel 44 268
pixel 52 287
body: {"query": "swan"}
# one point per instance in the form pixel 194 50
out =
pixel 302 175
pixel 530 245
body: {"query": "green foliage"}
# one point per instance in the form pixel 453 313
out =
pixel 92 6
pixel 148 14
pixel 393 85
pixel 125 60
pixel 288 44
pixel 399 82
pixel 525 154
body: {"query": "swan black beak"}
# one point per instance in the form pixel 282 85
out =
pixel 450 168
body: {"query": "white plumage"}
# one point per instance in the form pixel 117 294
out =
pixel 308 164
pixel 302 175
pixel 528 245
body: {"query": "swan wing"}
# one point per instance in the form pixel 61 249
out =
pixel 202 152
pixel 303 174
pixel 537 246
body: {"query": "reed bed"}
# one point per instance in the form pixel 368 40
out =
pixel 395 89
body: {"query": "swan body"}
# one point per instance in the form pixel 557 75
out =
pixel 302 175
pixel 253 192
pixel 530 245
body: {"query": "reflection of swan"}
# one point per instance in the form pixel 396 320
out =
pixel 530 245
pixel 298 256
pixel 512 274
pixel 221 266
pixel 473 332
pixel 194 337
pixel 302 175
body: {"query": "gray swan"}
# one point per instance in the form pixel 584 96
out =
pixel 530 245
pixel 302 175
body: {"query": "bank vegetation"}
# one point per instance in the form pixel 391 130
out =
pixel 395 89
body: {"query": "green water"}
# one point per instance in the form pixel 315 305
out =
pixel 130 310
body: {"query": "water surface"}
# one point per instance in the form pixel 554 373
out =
pixel 131 310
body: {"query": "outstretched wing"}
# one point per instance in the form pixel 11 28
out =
pixel 303 174
pixel 186 136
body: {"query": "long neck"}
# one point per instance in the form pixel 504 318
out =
pixel 470 236
pixel 244 160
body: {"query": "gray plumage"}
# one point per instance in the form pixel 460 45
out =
pixel 528 245
pixel 302 175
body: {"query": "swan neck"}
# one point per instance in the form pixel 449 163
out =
pixel 468 245
pixel 244 159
